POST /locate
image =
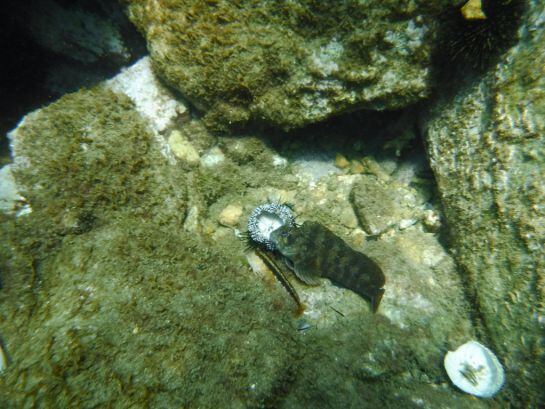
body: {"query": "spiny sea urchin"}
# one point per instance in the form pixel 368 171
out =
pixel 480 31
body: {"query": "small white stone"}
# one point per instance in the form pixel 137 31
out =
pixel 10 199
pixel 475 370
pixel 191 222
pixel 212 157
pixel 432 220
pixel 151 99
pixel 279 161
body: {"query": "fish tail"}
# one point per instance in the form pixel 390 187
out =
pixel 376 298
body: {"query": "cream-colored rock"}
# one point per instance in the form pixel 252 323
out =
pixel 341 162
pixel 10 199
pixel 212 157
pixel 230 216
pixel 155 103
pixel 182 148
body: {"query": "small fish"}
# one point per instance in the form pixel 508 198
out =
pixel 313 251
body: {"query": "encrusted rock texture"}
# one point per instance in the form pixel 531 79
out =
pixel 292 63
pixel 486 145
pixel 126 280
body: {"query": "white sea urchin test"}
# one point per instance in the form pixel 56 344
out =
pixel 267 218
pixel 475 369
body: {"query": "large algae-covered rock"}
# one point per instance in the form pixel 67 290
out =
pixel 131 314
pixel 88 155
pixel 487 149
pixel 105 299
pixel 127 283
pixel 291 63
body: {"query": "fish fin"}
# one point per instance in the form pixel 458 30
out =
pixel 281 276
pixel 375 299
pixel 307 278
pixel 289 263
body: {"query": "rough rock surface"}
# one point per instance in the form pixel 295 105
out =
pixel 85 42
pixel 53 47
pixel 487 149
pixel 291 63
pixel 132 290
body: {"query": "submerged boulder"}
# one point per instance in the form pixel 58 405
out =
pixel 125 281
pixel 293 63
pixel 486 144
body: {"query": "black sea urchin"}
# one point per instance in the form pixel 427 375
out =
pixel 477 40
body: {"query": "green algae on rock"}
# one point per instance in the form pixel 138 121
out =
pixel 105 298
pixel 133 314
pixel 88 155
pixel 145 298
pixel 486 146
pixel 293 63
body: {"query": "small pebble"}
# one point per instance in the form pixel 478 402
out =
pixel 212 158
pixel 356 167
pixel 473 10
pixel 230 216
pixel 182 148
pixel 341 162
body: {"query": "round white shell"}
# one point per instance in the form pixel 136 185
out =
pixel 475 369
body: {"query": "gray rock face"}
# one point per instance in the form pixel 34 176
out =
pixel 82 44
pixel 291 63
pixel 487 149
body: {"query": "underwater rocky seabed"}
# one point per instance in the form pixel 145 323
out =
pixel 128 282
pixel 56 47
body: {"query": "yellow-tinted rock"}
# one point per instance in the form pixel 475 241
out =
pixel 182 148
pixel 356 167
pixel 473 10
pixel 230 215
pixel 341 162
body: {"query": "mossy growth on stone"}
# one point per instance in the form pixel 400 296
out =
pixel 105 299
pixel 89 155
pixel 136 308
pixel 363 361
pixel 293 63
pixel 133 314
pixel 486 147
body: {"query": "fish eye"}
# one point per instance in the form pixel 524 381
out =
pixel 285 234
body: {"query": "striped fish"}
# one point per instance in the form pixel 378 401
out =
pixel 313 251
